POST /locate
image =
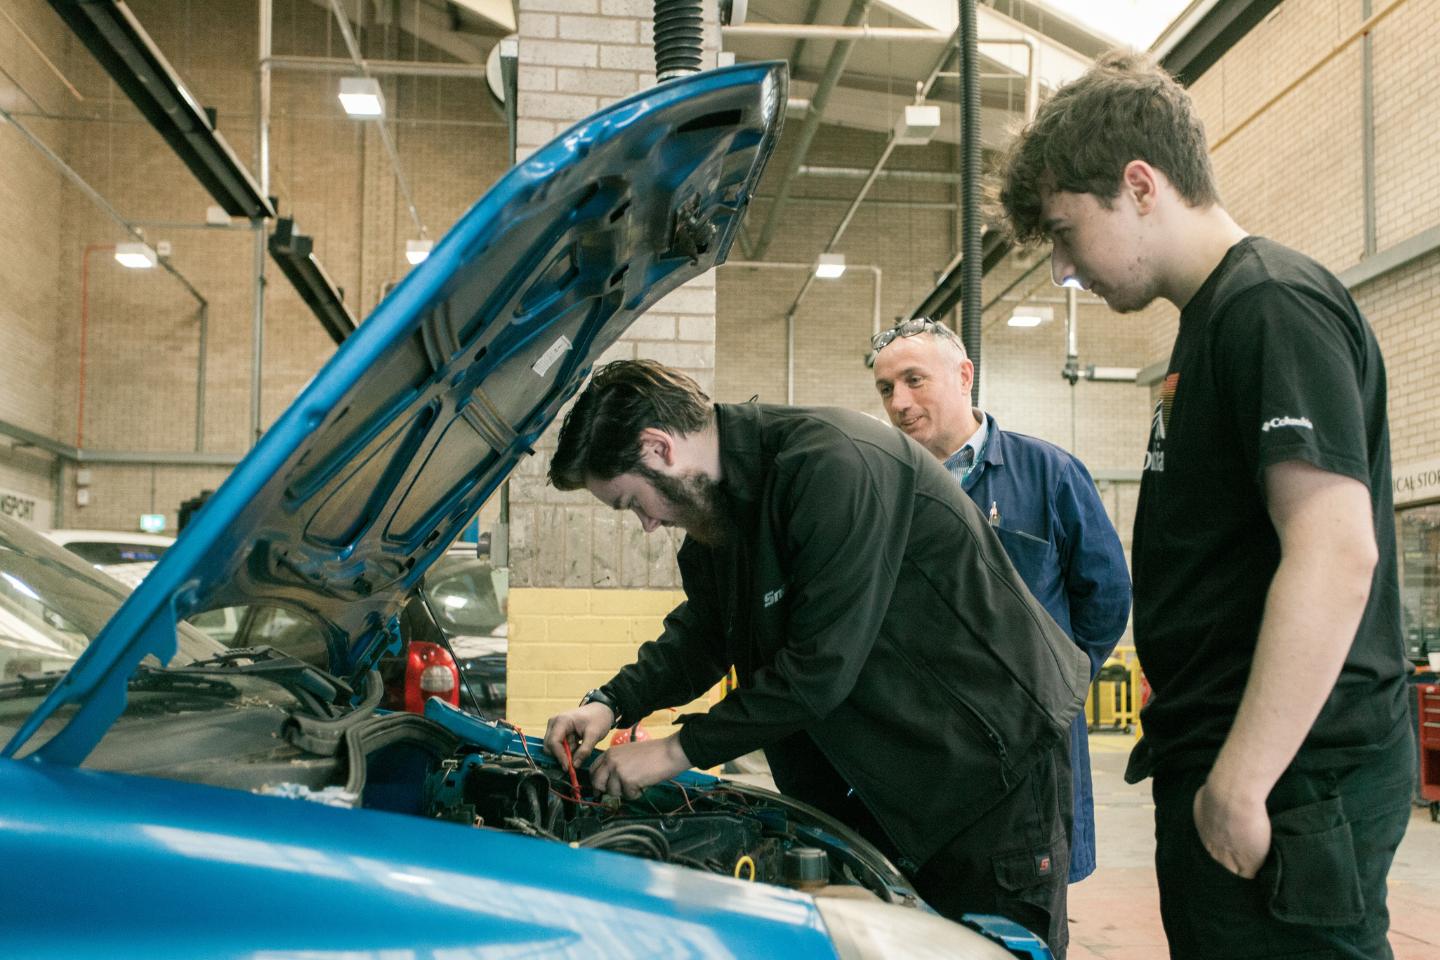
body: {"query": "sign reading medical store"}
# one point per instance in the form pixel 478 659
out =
pixel 29 509
pixel 1417 481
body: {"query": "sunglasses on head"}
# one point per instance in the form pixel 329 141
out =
pixel 907 328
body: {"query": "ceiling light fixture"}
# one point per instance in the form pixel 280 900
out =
pixel 417 250
pixel 361 97
pixel 1114 374
pixel 1026 316
pixel 136 256
pixel 830 266
pixel 917 125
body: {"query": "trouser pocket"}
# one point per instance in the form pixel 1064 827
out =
pixel 1311 873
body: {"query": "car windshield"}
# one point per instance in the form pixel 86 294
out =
pixel 52 604
pixel 467 596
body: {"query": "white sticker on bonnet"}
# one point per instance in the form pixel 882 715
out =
pixel 548 358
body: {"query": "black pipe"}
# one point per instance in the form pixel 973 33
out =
pixel 970 189
pixel 510 83
pixel 679 35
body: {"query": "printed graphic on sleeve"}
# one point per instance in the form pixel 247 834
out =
pixel 1160 423
pixel 1275 423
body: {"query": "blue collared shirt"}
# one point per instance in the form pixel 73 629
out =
pixel 962 461
pixel 1047 512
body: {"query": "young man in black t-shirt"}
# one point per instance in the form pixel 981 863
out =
pixel 1266 602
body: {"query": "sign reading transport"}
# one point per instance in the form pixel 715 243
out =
pixel 29 509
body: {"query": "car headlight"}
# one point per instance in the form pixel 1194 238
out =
pixel 869 929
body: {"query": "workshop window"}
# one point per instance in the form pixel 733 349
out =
pixel 1418 531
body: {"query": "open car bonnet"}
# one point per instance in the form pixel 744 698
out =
pixel 399 439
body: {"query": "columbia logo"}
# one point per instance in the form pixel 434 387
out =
pixel 1272 424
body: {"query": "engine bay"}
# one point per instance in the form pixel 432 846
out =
pixel 497 779
pixel 343 749
pixel 719 829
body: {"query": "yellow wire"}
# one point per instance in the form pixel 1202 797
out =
pixel 745 862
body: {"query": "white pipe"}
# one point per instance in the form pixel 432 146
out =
pixel 809 31
pixel 411 68
pixel 342 21
pixel 1072 316
pixel 875 306
pixel 262 162
pixel 790 359
pixel 875 274
pixel 1032 77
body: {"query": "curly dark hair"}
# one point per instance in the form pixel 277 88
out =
pixel 601 434
pixel 1124 108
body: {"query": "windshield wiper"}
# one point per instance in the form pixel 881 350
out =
pixel 160 680
pixel 31 684
pixel 322 692
pixel 145 679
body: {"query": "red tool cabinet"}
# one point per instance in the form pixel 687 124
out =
pixel 1429 694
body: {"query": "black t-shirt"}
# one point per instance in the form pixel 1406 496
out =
pixel 1273 362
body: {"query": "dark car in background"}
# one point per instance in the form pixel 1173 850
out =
pixel 467 595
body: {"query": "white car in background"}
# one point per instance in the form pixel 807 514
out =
pixel 127 556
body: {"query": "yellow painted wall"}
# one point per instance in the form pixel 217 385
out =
pixel 564 642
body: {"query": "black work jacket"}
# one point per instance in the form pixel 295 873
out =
pixel 864 601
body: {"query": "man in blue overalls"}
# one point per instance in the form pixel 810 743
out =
pixel 1041 502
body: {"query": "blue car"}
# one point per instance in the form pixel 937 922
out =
pixel 165 796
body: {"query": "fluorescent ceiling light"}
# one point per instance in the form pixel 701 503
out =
pixel 830 266
pixel 417 250
pixel 1025 316
pixel 136 256
pixel 917 125
pixel 361 97
pixel 1122 374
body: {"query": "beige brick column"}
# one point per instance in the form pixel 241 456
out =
pixel 588 585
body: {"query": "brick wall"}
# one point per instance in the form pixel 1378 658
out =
pixel 329 172
pixel 30 192
pixel 565 642
pixel 1020 372
pixel 577 56
pixel 835 320
pixel 1401 306
pixel 569 540
pixel 1295 174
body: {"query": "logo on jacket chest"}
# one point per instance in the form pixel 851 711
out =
pixel 773 597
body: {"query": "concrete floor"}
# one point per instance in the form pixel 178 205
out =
pixel 1115 913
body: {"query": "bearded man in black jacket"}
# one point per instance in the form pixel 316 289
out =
pixel 891 662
